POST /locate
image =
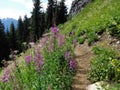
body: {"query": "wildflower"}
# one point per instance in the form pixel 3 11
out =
pixel 43 41
pixel 38 61
pixel 37 69
pixel 38 56
pixel 28 59
pixel 72 64
pixel 60 40
pixel 41 62
pixel 5 77
pixel 67 55
pixel 50 46
pixel 55 31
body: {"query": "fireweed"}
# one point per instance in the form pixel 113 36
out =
pixel 5 77
pixel 48 67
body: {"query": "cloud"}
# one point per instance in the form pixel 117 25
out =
pixel 68 3
pixel 28 4
pixel 13 13
pixel 24 7
pixel 44 5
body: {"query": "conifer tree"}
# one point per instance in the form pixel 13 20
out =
pixel 62 12
pixel 13 37
pixel 20 29
pixel 2 38
pixel 50 11
pixel 36 31
pixel 26 29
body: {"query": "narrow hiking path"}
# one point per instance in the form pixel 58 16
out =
pixel 83 55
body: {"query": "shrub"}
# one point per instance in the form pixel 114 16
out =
pixel 105 65
pixel 92 37
pixel 114 28
pixel 81 40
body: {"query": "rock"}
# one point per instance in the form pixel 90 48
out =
pixel 97 86
pixel 77 6
pixel 118 42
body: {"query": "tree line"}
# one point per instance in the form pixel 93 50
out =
pixel 31 29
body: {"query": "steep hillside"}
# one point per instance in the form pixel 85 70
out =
pixel 84 51
pixel 98 24
pixel 96 16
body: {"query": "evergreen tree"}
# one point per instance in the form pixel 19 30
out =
pixel 36 31
pixel 51 12
pixel 3 44
pixel 62 12
pixel 20 29
pixel 26 29
pixel 43 23
pixel 13 38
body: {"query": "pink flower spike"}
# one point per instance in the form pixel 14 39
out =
pixel 28 59
pixel 60 40
pixel 67 55
pixel 55 31
pixel 72 64
pixel 5 77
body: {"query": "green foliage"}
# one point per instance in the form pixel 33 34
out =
pixel 48 67
pixel 114 27
pixel 105 65
pixel 92 37
pixel 94 18
pixel 81 40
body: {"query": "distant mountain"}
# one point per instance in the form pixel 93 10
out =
pixel 8 21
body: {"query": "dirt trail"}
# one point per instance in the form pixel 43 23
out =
pixel 83 55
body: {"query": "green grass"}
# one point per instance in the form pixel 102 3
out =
pixel 95 17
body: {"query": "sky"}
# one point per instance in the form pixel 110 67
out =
pixel 16 8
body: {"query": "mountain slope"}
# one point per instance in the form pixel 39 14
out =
pixel 95 16
pixel 8 21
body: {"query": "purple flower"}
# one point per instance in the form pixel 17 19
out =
pixel 37 69
pixel 28 59
pixel 50 48
pixel 39 59
pixel 67 55
pixel 41 62
pixel 55 31
pixel 72 64
pixel 43 41
pixel 38 56
pixel 60 40
pixel 5 77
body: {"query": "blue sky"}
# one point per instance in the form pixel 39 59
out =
pixel 16 8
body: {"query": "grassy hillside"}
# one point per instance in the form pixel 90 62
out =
pixel 94 18
pixel 50 65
